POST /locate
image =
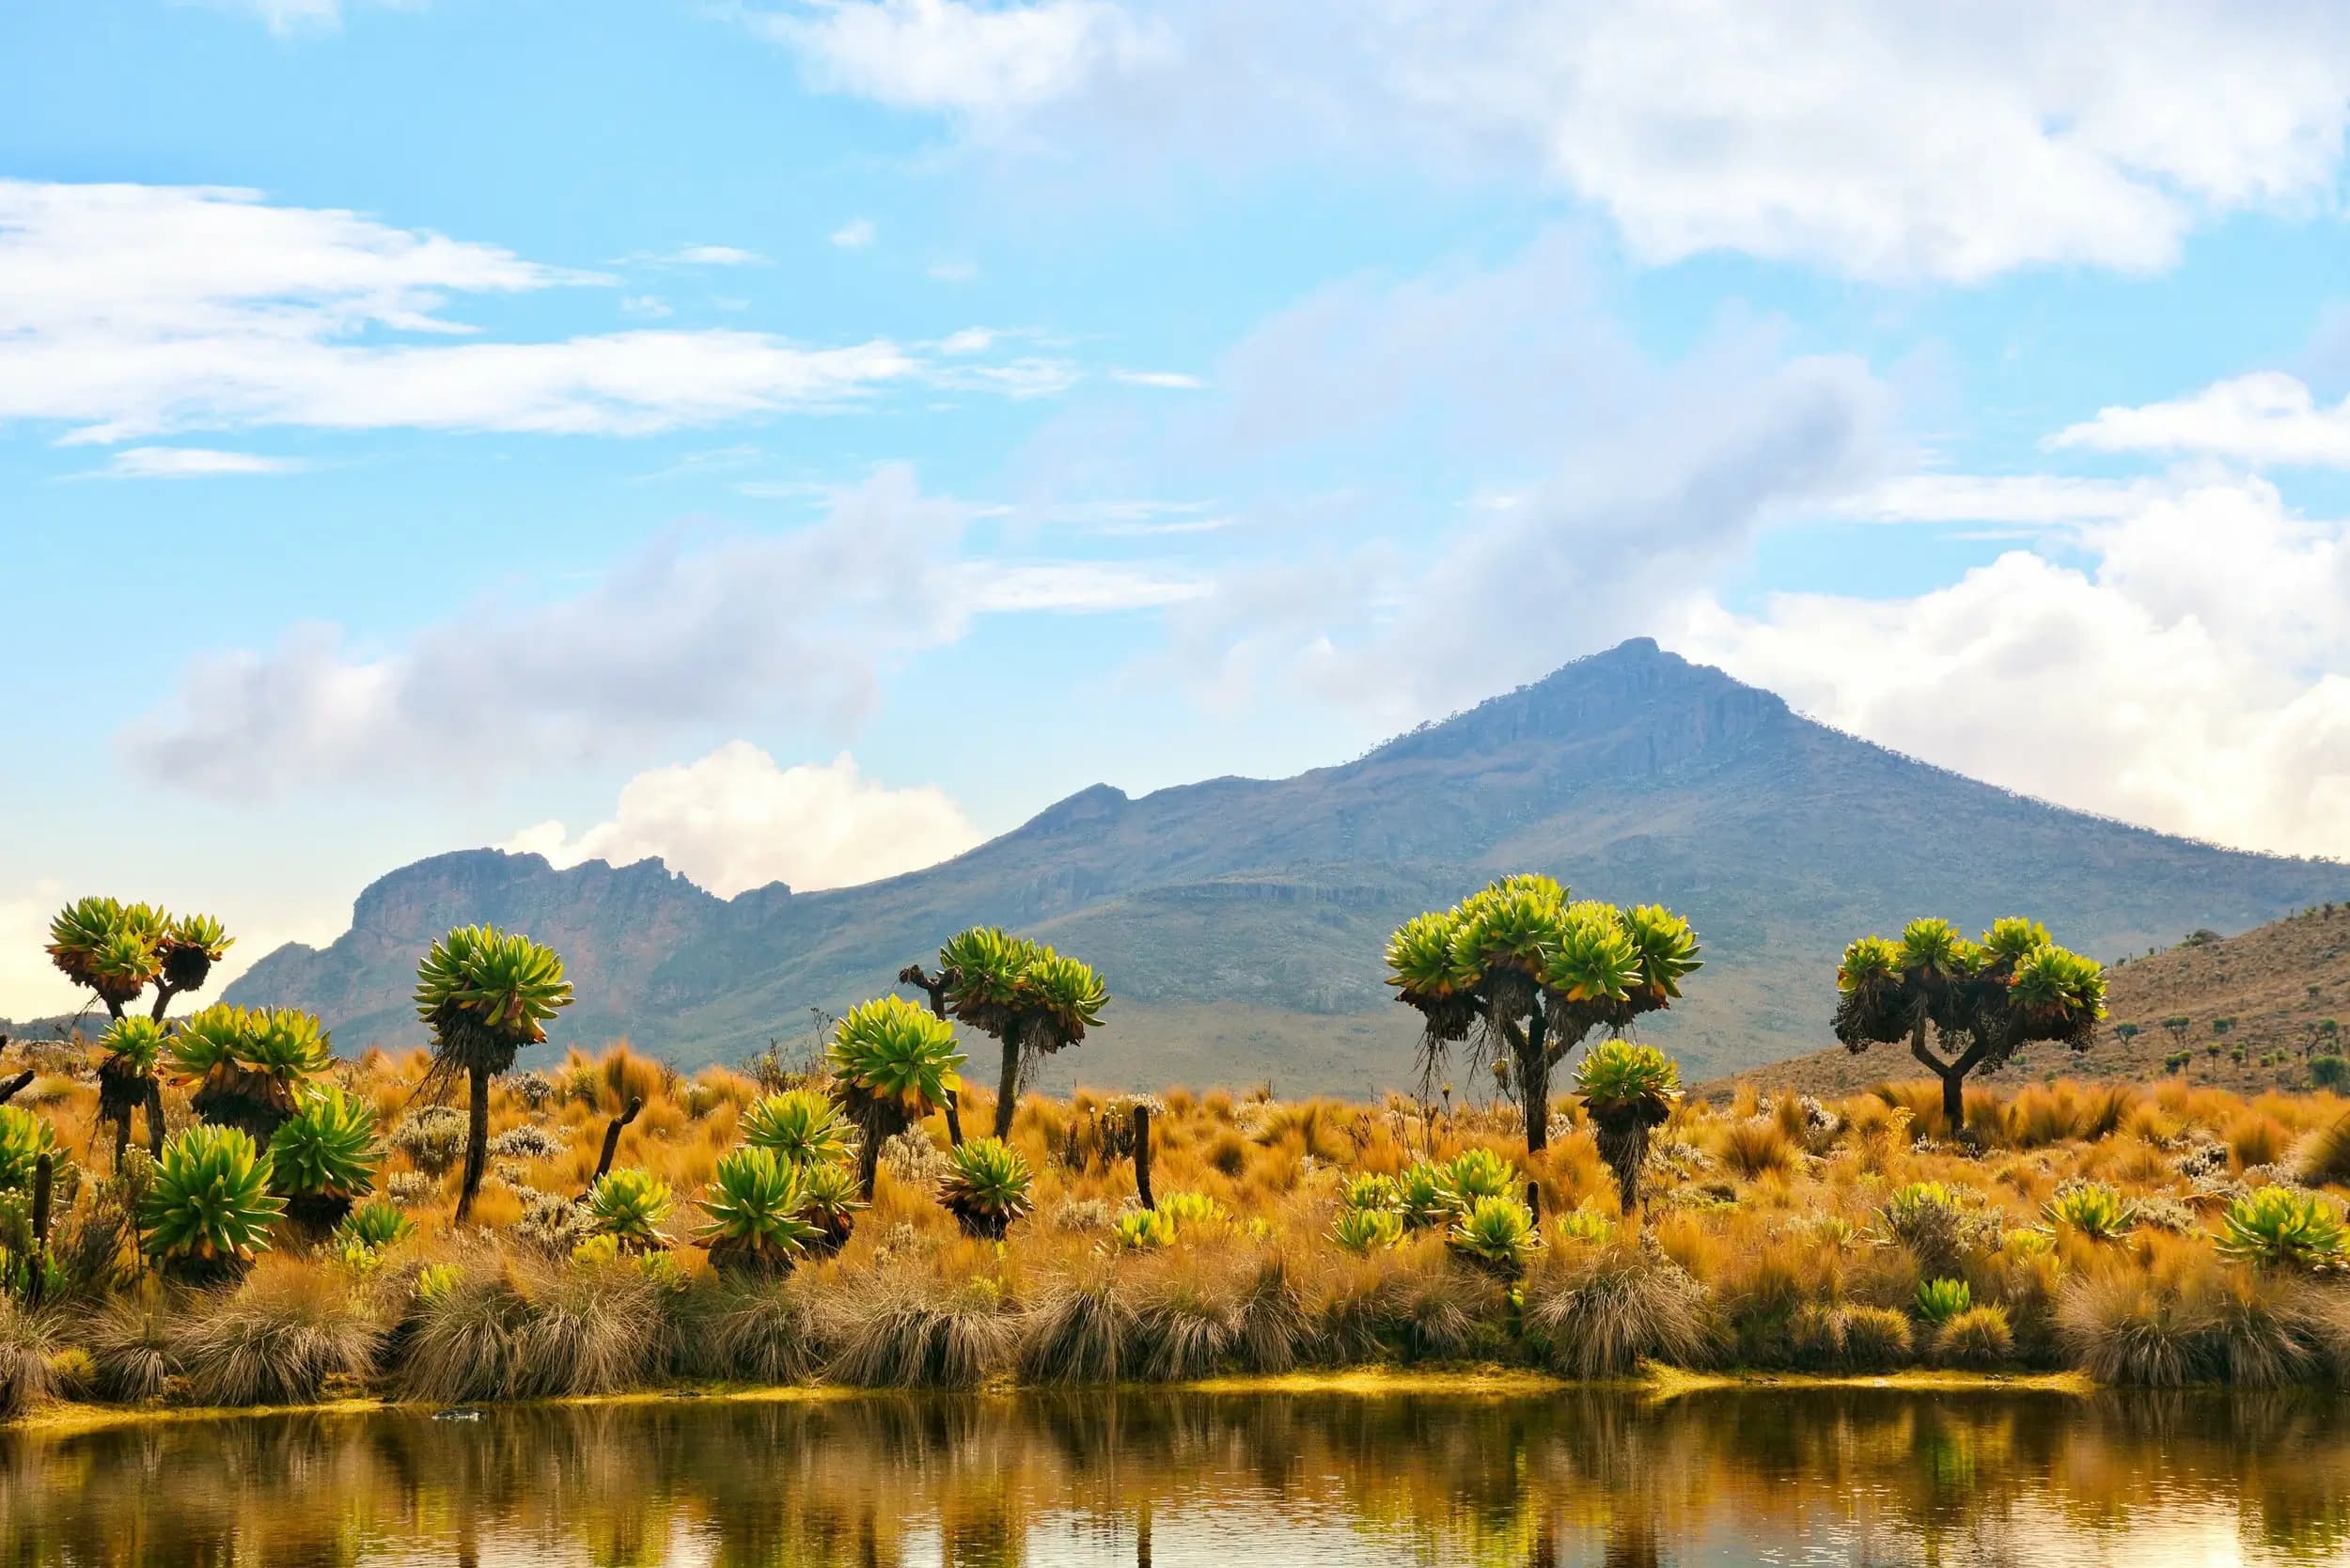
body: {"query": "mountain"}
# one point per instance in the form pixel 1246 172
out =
pixel 2282 989
pixel 1240 922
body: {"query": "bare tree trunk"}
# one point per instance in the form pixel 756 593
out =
pixel 611 1140
pixel 954 1117
pixel 1142 1156
pixel 1008 1089
pixel 476 1141
pixel 154 1120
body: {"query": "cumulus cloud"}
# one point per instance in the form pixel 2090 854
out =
pixel 1894 141
pixel 2187 680
pixel 734 820
pixel 280 316
pixel 2268 419
pixel 856 234
pixel 797 627
pixel 2028 500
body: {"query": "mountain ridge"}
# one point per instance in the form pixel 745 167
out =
pixel 1239 917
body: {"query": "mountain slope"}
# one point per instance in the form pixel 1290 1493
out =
pixel 1240 922
pixel 2277 987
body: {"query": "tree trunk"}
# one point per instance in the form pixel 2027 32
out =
pixel 476 1142
pixel 869 1162
pixel 612 1141
pixel 1534 1085
pixel 1142 1157
pixel 1955 1100
pixel 154 1121
pixel 954 1118
pixel 1008 1089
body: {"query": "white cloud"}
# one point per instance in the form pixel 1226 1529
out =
pixel 969 341
pixel 651 307
pixel 191 463
pixel 2031 500
pixel 286 17
pixel 1640 479
pixel 2186 680
pixel 1171 379
pixel 694 256
pixel 947 54
pixel 2267 420
pixel 952 271
pixel 1902 140
pixel 770 629
pixel 734 820
pixel 856 234
pixel 280 316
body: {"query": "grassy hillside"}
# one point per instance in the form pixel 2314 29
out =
pixel 1240 922
pixel 2272 992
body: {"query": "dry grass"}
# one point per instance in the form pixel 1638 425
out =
pixel 1772 1239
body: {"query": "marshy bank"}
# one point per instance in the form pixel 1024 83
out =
pixel 1161 1476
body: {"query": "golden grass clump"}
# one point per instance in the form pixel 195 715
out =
pixel 286 1336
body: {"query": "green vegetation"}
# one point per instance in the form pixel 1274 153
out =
pixel 485 994
pixel 1980 1000
pixel 1525 973
pixel 210 1210
pixel 1022 994
pixel 893 1063
pixel 986 1186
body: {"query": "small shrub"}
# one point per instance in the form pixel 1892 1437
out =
pixel 1372 1191
pixel 1423 1199
pixel 2092 1209
pixel 209 1211
pixel 1366 1231
pixel 432 1138
pixel 802 1126
pixel 629 1205
pixel 1614 1310
pixel 1940 1300
pixel 911 1333
pixel 280 1338
pixel 2330 1070
pixel 986 1187
pixel 1143 1231
pixel 758 1212
pixel 372 1227
pixel 524 1141
pixel 1476 1174
pixel 1497 1234
pixel 2281 1227
pixel 1189 1212
pixel 1080 1330
pixel 1976 1337
pixel 832 1204
pixel 1939 1225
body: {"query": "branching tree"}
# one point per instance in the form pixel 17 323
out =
pixel 486 993
pixel 1021 994
pixel 117 951
pixel 1524 974
pixel 1977 1001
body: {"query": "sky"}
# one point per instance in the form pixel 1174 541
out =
pixel 802 438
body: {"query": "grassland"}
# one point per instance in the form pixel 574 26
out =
pixel 1781 1235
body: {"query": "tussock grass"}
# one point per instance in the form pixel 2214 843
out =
pixel 286 1336
pixel 28 1341
pixel 907 1332
pixel 1607 1314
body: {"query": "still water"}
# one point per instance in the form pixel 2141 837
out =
pixel 1767 1476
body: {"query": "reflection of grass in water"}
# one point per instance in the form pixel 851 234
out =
pixel 1458 1480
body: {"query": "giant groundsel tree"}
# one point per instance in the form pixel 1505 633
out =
pixel 1021 994
pixel 892 1063
pixel 1965 1006
pixel 117 951
pixel 485 994
pixel 1524 973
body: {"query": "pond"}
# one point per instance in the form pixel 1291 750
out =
pixel 1755 1475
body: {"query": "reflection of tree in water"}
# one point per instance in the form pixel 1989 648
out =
pixel 1588 1476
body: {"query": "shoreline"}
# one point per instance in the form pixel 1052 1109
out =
pixel 66 1418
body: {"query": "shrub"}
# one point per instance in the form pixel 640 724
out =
pixel 323 1156
pixel 524 1141
pixel 432 1138
pixel 1975 1337
pixel 911 1333
pixel 1940 1300
pixel 1193 1211
pixel 2330 1070
pixel 832 1205
pixel 2092 1209
pixel 1938 1224
pixel 28 1341
pixel 374 1225
pixel 1613 1309
pixel 2281 1227
pixel 1080 1330
pixel 756 1331
pixel 758 1212
pixel 1366 1231
pixel 1422 1197
pixel 2324 1156
pixel 1497 1234
pixel 1372 1191
pixel 208 1210
pixel 1755 1144
pixel 629 1205
pixel 1143 1229
pixel 986 1187
pixel 282 1338
pixel 1182 1330
pixel 24 1140
pixel 802 1126
pixel 1476 1174
pixel 130 1343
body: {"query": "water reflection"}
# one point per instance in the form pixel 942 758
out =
pixel 1812 1477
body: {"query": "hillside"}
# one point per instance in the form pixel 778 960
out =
pixel 1241 922
pixel 2276 988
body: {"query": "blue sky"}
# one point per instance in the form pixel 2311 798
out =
pixel 800 438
